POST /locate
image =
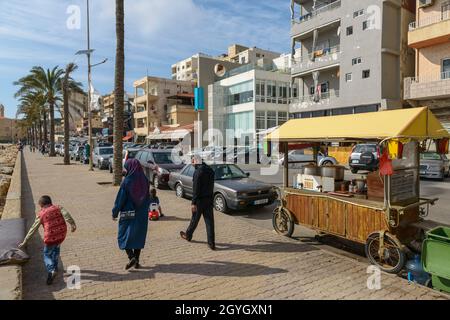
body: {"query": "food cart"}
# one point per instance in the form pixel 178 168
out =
pixel 386 211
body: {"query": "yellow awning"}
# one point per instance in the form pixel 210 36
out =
pixel 417 123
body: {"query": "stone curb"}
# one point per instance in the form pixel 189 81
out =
pixel 11 276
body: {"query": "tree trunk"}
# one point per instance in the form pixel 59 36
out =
pixel 66 125
pixel 119 92
pixel 45 128
pixel 52 152
pixel 40 133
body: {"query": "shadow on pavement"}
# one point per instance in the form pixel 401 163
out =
pixel 264 246
pixel 212 268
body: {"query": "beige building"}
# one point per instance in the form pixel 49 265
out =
pixel 241 54
pixel 429 35
pixel 77 107
pixel 152 103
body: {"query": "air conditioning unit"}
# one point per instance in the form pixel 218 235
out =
pixel 425 3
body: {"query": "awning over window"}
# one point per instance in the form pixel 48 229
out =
pixel 171 135
pixel 129 136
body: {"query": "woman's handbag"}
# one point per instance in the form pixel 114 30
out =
pixel 127 215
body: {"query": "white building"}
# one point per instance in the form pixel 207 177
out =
pixel 250 99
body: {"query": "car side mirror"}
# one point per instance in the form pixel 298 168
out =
pixel 150 162
pixel 247 174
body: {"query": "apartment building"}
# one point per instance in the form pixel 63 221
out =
pixel 108 115
pixel 151 103
pixel 77 108
pixel 353 55
pixel 429 35
pixel 241 54
pixel 250 99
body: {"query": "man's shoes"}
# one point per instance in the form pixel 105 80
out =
pixel 50 277
pixel 137 265
pixel 184 236
pixel 212 246
pixel 131 264
pixel 162 215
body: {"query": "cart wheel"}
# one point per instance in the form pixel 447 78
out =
pixel 392 259
pixel 282 222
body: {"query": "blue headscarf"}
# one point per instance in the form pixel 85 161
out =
pixel 136 183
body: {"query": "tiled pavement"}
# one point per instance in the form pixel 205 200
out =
pixel 251 263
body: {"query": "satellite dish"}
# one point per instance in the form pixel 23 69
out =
pixel 220 70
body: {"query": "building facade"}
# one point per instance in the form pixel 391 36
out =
pixel 248 100
pixel 151 103
pixel 429 35
pixel 108 115
pixel 353 55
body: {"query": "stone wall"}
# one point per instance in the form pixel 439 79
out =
pixel 11 162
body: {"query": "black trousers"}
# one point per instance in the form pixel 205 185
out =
pixel 205 209
pixel 133 253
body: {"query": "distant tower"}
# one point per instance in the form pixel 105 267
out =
pixel 2 111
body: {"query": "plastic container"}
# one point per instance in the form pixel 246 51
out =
pixel 416 273
pixel 436 257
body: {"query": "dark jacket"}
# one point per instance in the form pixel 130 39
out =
pixel 203 184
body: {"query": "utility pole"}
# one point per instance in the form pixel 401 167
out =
pixel 91 140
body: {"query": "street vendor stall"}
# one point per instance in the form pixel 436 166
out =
pixel 382 211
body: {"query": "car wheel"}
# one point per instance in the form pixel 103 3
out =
pixel 110 169
pixel 99 166
pixel 354 171
pixel 327 163
pixel 179 190
pixel 220 204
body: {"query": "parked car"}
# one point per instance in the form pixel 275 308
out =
pixel 299 155
pixel 364 157
pixel 126 154
pixel 101 156
pixel 233 189
pixel 434 165
pixel 58 149
pixel 76 152
pixel 158 164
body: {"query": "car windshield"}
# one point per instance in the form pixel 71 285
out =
pixel 132 154
pixel 430 156
pixel 106 151
pixel 362 148
pixel 228 172
pixel 163 157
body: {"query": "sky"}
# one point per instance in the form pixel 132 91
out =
pixel 158 33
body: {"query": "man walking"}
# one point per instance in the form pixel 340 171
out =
pixel 202 201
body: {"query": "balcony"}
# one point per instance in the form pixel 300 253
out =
pixel 321 59
pixel 141 115
pixel 430 31
pixel 317 17
pixel 430 87
pixel 325 99
pixel 143 99
pixel 141 131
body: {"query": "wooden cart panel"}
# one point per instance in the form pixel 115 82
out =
pixel 334 216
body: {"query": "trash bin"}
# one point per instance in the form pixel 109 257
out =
pixel 436 257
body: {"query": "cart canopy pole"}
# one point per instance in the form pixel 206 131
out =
pixel 286 164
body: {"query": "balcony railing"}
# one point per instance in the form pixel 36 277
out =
pixel 319 58
pixel 312 98
pixel 429 21
pixel 317 11
pixel 431 78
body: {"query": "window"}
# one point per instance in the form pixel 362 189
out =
pixel 240 93
pixel 365 25
pixel 348 77
pixel 358 13
pixel 261 120
pixel 445 69
pixel 282 118
pixel 366 74
pixel 271 92
pixel 356 61
pixel 189 171
pixel 260 91
pixel 349 31
pixel 271 119
pixel 446 10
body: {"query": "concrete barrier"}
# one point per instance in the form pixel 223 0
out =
pixel 11 276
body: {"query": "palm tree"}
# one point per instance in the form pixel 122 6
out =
pixel 48 83
pixel 68 85
pixel 119 92
pixel 32 107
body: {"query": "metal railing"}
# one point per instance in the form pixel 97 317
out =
pixel 315 12
pixel 312 98
pixel 430 78
pixel 443 16
pixel 318 54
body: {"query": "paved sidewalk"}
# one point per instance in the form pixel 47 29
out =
pixel 251 263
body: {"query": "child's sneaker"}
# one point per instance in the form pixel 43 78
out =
pixel 50 277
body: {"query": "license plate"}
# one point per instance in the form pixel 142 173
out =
pixel 263 201
pixel 422 172
pixel 355 161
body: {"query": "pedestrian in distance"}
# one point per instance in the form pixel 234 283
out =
pixel 53 218
pixel 131 207
pixel 202 201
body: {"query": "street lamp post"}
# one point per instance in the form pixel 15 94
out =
pixel 88 53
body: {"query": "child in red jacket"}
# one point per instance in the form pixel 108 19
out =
pixel 54 219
